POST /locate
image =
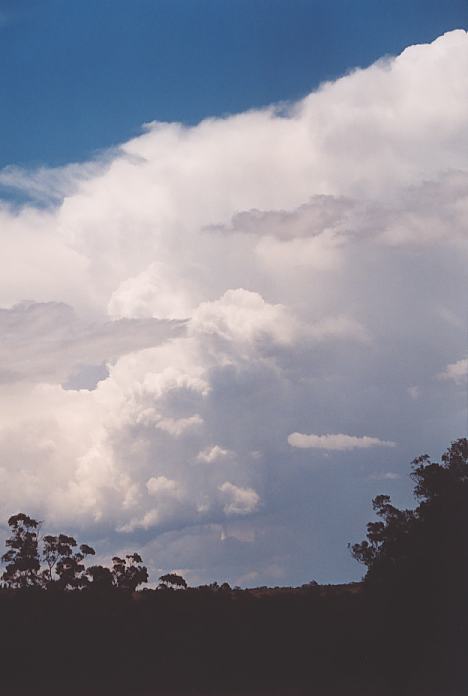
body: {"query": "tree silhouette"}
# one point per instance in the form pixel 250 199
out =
pixel 22 558
pixel 64 565
pixel 71 569
pixel 101 579
pixel 129 572
pixel 425 549
pixel 389 540
pixel 51 553
pixel 173 580
pixel 65 568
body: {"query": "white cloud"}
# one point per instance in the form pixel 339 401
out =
pixel 455 372
pixel 336 441
pixel 213 453
pixel 149 294
pixel 243 316
pixel 48 185
pixel 158 485
pixel 315 253
pixel 177 426
pixel 240 501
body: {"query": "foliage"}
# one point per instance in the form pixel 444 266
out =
pixel 101 579
pixel 129 572
pixel 426 547
pixel 65 567
pixel 173 580
pixel 22 558
pixel 64 563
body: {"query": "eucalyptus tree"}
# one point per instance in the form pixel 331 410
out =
pixel 129 572
pixel 22 557
pixel 173 581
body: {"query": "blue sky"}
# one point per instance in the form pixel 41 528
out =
pixel 77 77
pixel 219 340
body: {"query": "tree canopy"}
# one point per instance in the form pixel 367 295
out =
pixel 425 549
pixel 64 565
pixel 22 557
pixel 173 580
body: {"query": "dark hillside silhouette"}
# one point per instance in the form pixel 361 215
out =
pixel 68 628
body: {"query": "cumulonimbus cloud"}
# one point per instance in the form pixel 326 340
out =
pixel 225 285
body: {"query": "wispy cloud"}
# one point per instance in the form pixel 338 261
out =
pixel 336 441
pixel 385 476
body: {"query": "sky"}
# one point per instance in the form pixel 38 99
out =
pixel 232 274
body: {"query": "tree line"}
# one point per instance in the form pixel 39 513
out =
pixel 402 632
pixel 403 548
pixel 58 562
